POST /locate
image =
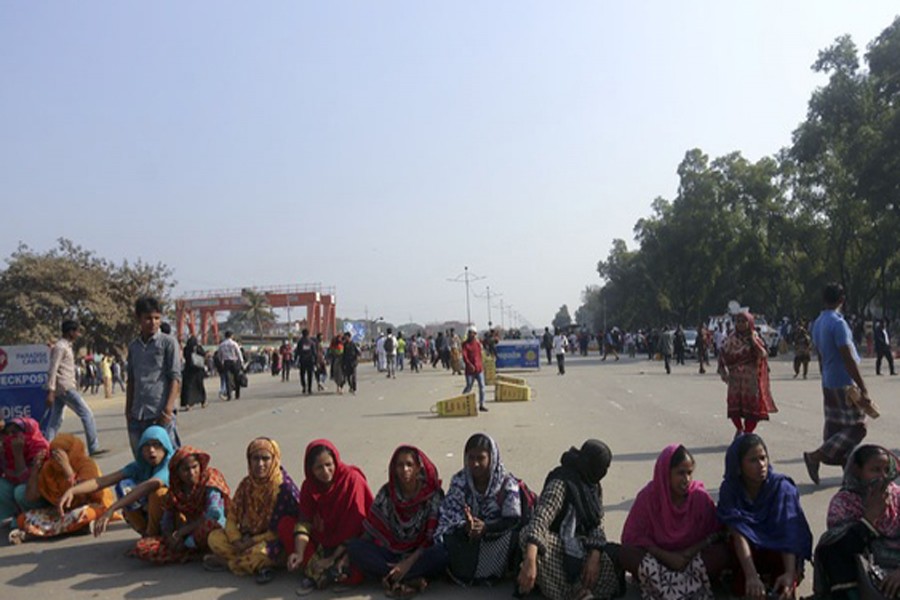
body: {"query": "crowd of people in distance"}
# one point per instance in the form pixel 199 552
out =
pixel 486 526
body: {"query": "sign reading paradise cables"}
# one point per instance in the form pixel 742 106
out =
pixel 23 381
pixel 519 354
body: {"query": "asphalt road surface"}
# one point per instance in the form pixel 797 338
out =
pixel 631 404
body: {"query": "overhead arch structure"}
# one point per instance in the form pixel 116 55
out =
pixel 201 308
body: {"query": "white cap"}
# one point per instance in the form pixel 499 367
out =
pixel 472 329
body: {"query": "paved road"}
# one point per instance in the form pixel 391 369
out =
pixel 630 404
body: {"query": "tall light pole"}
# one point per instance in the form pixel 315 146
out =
pixel 488 294
pixel 467 279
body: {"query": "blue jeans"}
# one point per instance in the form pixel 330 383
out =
pixel 136 429
pixel 74 401
pixel 470 381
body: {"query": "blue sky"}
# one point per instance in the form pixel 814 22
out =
pixel 380 147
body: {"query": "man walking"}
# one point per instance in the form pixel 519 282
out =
pixel 667 347
pixel 232 364
pixel 390 353
pixel 471 355
pixel 286 353
pixel 846 400
pixel 350 360
pixel 560 343
pixel 547 344
pixel 883 348
pixel 62 389
pixel 306 359
pixel 154 376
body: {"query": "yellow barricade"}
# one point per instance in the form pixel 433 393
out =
pixel 490 369
pixel 458 406
pixel 511 379
pixel 510 392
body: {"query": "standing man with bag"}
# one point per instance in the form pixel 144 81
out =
pixel 846 400
pixel 62 390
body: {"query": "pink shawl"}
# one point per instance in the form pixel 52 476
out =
pixel 655 521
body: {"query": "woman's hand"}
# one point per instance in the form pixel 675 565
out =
pixel 65 501
pixel 175 541
pixel 590 572
pixel 527 576
pixel 474 525
pixel 243 544
pixel 397 572
pixel 101 523
pixel 294 561
pixel 754 588
pixel 785 585
pixel 891 584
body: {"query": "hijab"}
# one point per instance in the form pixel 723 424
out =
pixel 53 482
pixel 500 499
pixel 254 508
pixel 581 472
pixel 336 510
pixel 192 503
pixel 654 520
pixel 140 470
pixel 774 520
pixel 852 481
pixel 35 444
pixel 405 524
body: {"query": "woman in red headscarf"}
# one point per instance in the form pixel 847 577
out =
pixel 672 541
pixel 24 451
pixel 334 501
pixel 195 506
pixel 398 544
pixel 744 366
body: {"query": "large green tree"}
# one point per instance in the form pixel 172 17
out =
pixel 39 290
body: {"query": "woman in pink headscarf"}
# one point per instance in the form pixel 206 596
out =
pixel 672 541
pixel 22 452
pixel 744 366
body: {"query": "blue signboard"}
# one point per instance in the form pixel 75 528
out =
pixel 23 381
pixel 519 354
pixel 356 329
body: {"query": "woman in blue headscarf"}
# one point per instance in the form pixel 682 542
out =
pixel 761 509
pixel 140 485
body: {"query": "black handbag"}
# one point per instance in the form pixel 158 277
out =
pixel 242 380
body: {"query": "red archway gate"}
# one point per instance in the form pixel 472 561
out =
pixel 200 308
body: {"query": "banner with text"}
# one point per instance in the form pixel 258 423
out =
pixel 519 354
pixel 23 381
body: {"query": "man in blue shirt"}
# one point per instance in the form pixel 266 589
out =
pixel 846 400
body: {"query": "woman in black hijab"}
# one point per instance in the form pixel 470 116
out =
pixel 193 374
pixel 564 543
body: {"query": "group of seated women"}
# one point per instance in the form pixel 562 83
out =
pixel 676 542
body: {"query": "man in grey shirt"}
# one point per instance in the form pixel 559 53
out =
pixel 62 390
pixel 154 376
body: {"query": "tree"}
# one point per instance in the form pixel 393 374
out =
pixel 39 291
pixel 562 320
pixel 256 317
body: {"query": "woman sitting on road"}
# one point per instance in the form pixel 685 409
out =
pixel 564 542
pixel 140 486
pixel 334 501
pixel 67 465
pixel 672 542
pixel 398 546
pixel 194 507
pixel 761 509
pixel 481 515
pixel 249 543
pixel 744 366
pixel 863 518
pixel 23 450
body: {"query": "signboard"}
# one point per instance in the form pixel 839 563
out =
pixel 356 329
pixel 23 381
pixel 519 354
